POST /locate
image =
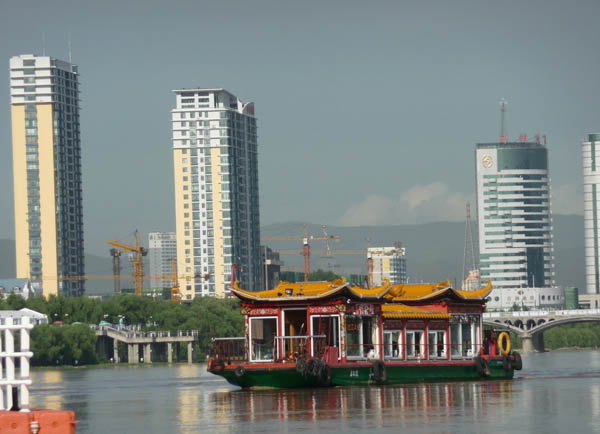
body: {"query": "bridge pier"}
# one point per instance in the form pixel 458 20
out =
pixel 169 352
pixel 116 351
pixel 189 352
pixel 538 342
pixel 527 343
pixel 532 342
pixel 147 353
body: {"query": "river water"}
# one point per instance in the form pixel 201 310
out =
pixel 556 392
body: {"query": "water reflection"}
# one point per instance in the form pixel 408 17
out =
pixel 558 392
pixel 379 406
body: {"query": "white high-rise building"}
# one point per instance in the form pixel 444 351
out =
pixel 162 248
pixel 216 192
pixel 515 224
pixel 46 149
pixel 591 205
pixel 386 263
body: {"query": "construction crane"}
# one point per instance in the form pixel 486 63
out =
pixel 138 264
pixel 175 294
pixel 306 238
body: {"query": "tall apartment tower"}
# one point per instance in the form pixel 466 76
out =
pixel 387 263
pixel 162 248
pixel 46 150
pixel 515 225
pixel 216 192
pixel 591 206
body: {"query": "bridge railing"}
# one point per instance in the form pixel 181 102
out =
pixel 539 313
pixel 130 333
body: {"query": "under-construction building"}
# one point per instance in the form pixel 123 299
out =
pixel 387 263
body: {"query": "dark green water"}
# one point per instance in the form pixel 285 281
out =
pixel 555 393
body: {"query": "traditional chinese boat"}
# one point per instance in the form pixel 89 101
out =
pixel 334 334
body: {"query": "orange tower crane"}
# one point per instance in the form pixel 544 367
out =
pixel 306 238
pixel 138 264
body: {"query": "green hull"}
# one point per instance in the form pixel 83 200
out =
pixel 255 376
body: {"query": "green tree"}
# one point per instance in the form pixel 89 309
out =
pixel 322 275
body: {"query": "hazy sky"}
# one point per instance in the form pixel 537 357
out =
pixel 368 112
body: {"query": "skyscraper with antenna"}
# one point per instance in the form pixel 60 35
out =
pixel 514 219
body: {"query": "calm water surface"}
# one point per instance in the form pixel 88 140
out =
pixel 555 393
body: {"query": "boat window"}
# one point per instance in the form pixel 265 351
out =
pixel 414 344
pixel 359 336
pixel 262 338
pixel 437 344
pixel 392 342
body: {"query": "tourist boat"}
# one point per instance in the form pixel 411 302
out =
pixel 335 334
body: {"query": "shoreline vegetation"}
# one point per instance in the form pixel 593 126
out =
pixel 71 342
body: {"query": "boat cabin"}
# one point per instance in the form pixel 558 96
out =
pixel 341 323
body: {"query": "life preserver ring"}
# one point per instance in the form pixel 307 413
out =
pixel 217 365
pixel 379 371
pixel 482 366
pixel 240 371
pixel 504 343
pixel 517 362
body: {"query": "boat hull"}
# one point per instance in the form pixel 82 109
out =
pixel 285 375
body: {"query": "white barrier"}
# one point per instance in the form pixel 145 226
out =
pixel 8 357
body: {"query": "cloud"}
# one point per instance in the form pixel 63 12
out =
pixel 567 200
pixel 419 204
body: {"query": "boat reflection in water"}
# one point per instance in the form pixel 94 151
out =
pixel 367 407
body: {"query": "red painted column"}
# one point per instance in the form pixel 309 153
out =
pixel 403 349
pixel 426 346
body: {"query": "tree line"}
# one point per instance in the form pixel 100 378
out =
pixel 70 341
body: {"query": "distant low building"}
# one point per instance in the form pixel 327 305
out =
pixel 271 267
pixel 22 287
pixel 36 318
pixel 526 299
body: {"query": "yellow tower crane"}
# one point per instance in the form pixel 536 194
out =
pixel 138 264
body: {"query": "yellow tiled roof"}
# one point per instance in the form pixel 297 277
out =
pixel 287 291
pixel 403 311
pixel 425 291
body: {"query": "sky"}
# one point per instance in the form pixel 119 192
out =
pixel 368 112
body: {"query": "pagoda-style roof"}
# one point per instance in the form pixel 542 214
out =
pixel 431 291
pixel 306 291
pixel 402 311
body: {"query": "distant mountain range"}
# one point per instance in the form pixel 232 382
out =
pixel 434 250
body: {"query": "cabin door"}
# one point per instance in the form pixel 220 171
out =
pixel 294 343
pixel 326 333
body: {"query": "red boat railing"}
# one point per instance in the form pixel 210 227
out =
pixel 294 347
pixel 232 349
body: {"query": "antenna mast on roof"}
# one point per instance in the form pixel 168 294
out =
pixel 469 253
pixel 70 53
pixel 503 135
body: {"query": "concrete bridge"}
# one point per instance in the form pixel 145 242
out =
pixel 155 346
pixel 530 325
